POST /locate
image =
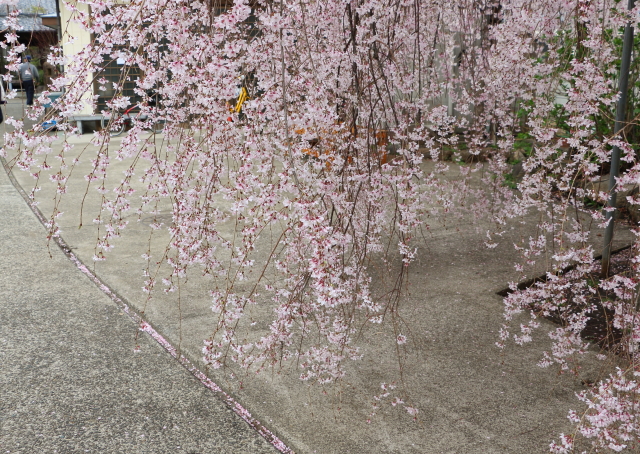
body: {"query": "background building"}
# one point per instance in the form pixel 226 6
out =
pixel 40 28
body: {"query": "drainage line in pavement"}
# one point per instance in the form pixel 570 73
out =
pixel 146 327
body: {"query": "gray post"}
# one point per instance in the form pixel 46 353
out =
pixel 59 27
pixel 623 88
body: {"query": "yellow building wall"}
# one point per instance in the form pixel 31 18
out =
pixel 74 39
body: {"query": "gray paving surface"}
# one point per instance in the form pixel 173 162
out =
pixel 70 380
pixel 67 354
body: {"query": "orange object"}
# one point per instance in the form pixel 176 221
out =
pixel 381 144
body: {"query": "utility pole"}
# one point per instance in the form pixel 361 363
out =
pixel 623 88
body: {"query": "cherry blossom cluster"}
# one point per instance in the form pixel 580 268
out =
pixel 292 201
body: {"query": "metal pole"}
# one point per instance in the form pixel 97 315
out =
pixel 623 88
pixel 59 27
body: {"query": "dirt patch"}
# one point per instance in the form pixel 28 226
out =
pixel 599 328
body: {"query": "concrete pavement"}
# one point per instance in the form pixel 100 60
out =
pixel 472 398
pixel 76 375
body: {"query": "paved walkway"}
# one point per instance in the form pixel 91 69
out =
pixel 70 379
